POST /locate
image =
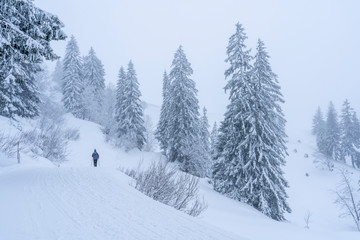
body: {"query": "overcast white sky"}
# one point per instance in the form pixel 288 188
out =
pixel 314 45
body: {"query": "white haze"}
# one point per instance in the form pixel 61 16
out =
pixel 314 45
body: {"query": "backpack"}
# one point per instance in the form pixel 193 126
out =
pixel 95 155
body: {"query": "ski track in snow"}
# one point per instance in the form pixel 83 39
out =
pixel 88 203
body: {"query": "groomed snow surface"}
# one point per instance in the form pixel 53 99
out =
pixel 39 200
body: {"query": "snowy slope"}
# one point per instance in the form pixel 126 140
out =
pixel 313 194
pixel 87 203
pixel 77 201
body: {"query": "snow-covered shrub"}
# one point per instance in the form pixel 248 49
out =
pixel 307 219
pixel 71 134
pixel 169 186
pixel 327 162
pixel 323 162
pixel 8 144
pixel 49 138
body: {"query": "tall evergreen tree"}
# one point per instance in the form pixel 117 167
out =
pixel 204 131
pixel 213 138
pixel 20 93
pixel 25 35
pixel 251 147
pixel 205 142
pixel 120 101
pixel 184 141
pixel 332 135
pixel 355 154
pixel 73 85
pixel 229 157
pixel 319 129
pixel 131 124
pixel 94 86
pixel 267 149
pixel 213 143
pixel 57 75
pixel 162 131
pixel 94 72
pixel 318 122
pixel 108 119
pixel 346 126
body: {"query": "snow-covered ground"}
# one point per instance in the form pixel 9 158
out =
pixel 39 200
pixel 88 203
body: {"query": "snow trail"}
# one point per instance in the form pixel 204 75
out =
pixel 88 203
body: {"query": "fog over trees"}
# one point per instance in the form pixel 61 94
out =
pixel 242 156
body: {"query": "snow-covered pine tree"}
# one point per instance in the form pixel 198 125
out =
pixel 26 32
pixel 265 142
pixel 265 183
pixel 21 89
pixel 213 150
pixel 184 143
pixel 319 129
pixel 318 122
pixel 120 101
pixel 73 85
pixel 347 137
pixel 107 113
pixel 248 165
pixel 57 75
pixel 205 141
pixel 213 138
pixel 355 155
pixel 228 161
pixel 131 122
pixel 94 86
pixel 162 130
pixel 332 135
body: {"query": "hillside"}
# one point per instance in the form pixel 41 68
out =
pixel 76 201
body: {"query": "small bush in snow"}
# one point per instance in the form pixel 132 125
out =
pixel 49 138
pixel 169 186
pixel 48 141
pixel 71 134
pixel 323 162
pixel 307 219
pixel 326 163
pixel 8 144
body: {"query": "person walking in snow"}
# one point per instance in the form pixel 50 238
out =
pixel 95 157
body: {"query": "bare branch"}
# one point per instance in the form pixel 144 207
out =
pixel 347 198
